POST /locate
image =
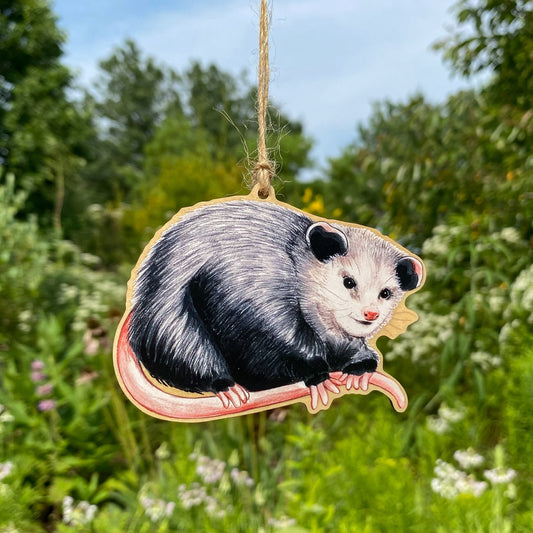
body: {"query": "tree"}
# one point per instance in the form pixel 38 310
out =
pixel 217 104
pixel 495 36
pixel 132 97
pixel 225 108
pixel 28 38
pixel 417 165
pixel 42 133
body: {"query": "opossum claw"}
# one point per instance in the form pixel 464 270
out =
pixel 241 392
pixel 222 397
pixel 321 391
pixel 331 386
pixel 337 378
pixel 235 396
pixel 358 382
pixel 314 396
pixel 352 381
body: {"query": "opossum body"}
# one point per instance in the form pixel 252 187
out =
pixel 258 295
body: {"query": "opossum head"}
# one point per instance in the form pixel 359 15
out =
pixel 355 280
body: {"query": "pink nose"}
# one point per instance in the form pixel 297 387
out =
pixel 370 315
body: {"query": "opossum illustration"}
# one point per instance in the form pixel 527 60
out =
pixel 248 295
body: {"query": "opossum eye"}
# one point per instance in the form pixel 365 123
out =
pixel 385 294
pixel 349 283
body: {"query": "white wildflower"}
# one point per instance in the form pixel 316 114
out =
pixel 79 514
pixel 213 509
pixel 510 235
pixel 444 470
pixel 5 469
pixel 192 496
pixel 497 302
pixel 197 495
pixel 485 360
pixel 241 477
pixel 89 259
pixel 210 470
pixel 450 482
pixel 156 509
pixel 67 293
pixel 437 425
pixel 451 415
pixel 24 320
pixel 5 415
pixel 500 476
pixel 468 458
pixel 282 523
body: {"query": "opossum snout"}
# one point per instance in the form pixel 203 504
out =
pixel 370 315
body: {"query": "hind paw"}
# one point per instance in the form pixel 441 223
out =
pixel 234 396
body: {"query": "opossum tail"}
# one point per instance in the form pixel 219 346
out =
pixel 157 400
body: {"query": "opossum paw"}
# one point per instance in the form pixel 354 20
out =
pixel 320 391
pixel 358 382
pixel 235 396
pixel 352 381
pixel 338 378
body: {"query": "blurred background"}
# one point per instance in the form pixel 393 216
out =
pixel 104 136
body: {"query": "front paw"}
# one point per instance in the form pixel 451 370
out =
pixel 358 382
pixel 356 375
pixel 362 367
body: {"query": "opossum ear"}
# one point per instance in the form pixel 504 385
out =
pixel 326 241
pixel 409 271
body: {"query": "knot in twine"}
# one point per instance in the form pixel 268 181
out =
pixel 262 176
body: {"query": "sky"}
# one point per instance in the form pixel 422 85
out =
pixel 331 60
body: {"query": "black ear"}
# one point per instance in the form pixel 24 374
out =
pixel 326 241
pixel 409 271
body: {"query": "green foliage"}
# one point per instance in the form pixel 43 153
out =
pixel 42 133
pixel 23 256
pixel 181 172
pixel 495 36
pixel 132 96
pixel 416 165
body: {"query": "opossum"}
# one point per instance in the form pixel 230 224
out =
pixel 248 295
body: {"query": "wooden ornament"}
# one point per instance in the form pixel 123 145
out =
pixel 244 304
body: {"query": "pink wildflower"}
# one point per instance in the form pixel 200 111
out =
pixel 87 377
pixel 37 365
pixel 37 376
pixel 44 390
pixel 46 405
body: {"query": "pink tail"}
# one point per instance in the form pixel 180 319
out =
pixel 155 401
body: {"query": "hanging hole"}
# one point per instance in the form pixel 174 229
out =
pixel 258 193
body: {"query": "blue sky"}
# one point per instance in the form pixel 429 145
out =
pixel 330 59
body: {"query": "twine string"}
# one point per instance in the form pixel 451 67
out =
pixel 263 169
